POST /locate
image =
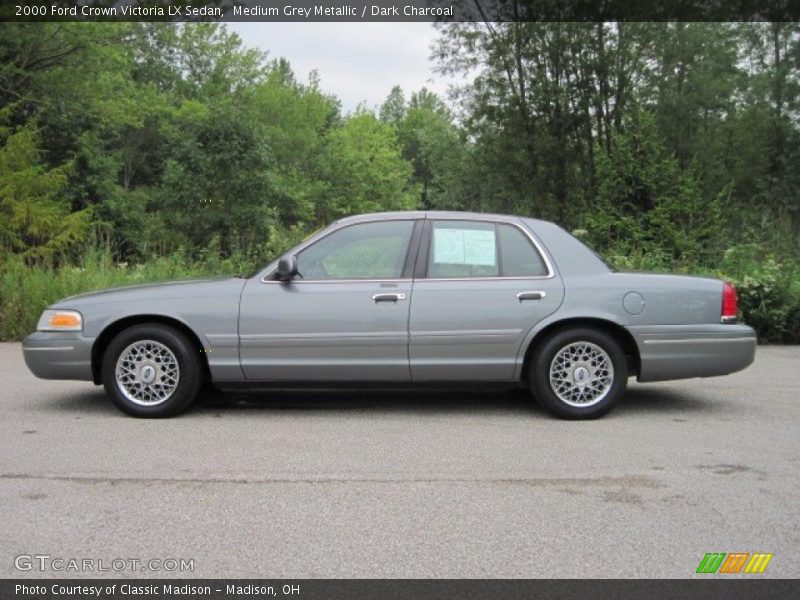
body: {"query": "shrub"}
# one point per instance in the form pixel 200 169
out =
pixel 768 290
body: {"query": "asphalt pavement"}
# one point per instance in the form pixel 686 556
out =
pixel 402 484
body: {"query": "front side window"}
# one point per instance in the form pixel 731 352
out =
pixel 477 249
pixel 364 251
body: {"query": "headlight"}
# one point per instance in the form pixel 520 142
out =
pixel 60 320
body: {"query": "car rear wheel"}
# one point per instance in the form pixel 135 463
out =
pixel 151 371
pixel 578 373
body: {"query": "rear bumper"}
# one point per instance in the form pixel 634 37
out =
pixel 683 351
pixel 58 355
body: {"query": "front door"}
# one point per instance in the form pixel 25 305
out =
pixel 482 289
pixel 343 318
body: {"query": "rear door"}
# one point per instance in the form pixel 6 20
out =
pixel 480 287
pixel 345 318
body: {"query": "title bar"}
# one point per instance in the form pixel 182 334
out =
pixel 399 10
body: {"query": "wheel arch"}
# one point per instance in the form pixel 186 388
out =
pixel 112 329
pixel 621 335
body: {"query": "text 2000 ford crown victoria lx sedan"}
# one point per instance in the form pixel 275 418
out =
pixel 395 298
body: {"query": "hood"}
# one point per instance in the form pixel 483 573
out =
pixel 193 288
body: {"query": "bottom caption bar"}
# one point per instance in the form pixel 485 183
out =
pixel 397 589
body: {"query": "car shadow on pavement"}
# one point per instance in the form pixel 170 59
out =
pixel 383 401
pixel 91 402
pixel 643 399
pixel 638 400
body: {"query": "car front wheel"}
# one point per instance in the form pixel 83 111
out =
pixel 151 371
pixel 578 373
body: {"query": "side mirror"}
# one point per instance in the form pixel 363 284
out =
pixel 287 268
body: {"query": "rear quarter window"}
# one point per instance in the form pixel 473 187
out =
pixel 519 257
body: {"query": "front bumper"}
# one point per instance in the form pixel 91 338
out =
pixel 59 355
pixel 684 351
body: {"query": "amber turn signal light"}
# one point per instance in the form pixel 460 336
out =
pixel 60 320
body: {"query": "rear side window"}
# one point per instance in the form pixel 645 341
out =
pixel 463 249
pixel 477 249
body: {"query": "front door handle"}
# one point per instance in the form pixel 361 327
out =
pixel 388 297
pixel 530 296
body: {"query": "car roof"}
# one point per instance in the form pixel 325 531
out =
pixel 433 214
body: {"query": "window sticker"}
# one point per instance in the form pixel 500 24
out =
pixel 448 246
pixel 480 248
pixel 464 246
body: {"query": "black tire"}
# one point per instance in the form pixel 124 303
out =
pixel 544 355
pixel 189 370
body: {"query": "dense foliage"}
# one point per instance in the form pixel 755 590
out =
pixel 132 151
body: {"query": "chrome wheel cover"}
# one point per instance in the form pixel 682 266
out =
pixel 581 374
pixel 147 373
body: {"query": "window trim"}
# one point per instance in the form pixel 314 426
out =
pixel 421 270
pixel 408 262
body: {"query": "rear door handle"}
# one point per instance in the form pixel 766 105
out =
pixel 388 297
pixel 530 296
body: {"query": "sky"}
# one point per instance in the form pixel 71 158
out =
pixel 358 62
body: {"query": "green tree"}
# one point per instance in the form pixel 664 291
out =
pixel 393 109
pixel 364 170
pixel 648 206
pixel 35 222
pixel 434 145
pixel 215 187
pixel 293 120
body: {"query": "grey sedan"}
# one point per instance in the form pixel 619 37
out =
pixel 417 298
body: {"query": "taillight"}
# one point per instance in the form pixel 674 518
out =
pixel 729 308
